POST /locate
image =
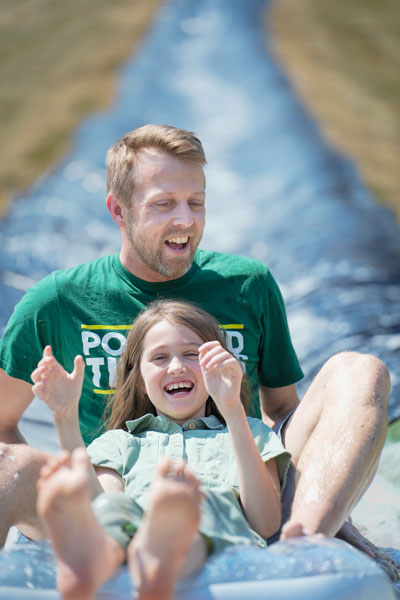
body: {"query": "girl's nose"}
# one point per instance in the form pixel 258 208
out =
pixel 176 366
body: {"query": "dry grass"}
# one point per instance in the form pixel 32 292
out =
pixel 58 62
pixel 343 59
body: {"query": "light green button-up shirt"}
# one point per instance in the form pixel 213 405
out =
pixel 203 443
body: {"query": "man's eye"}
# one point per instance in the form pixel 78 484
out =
pixel 163 204
pixel 196 204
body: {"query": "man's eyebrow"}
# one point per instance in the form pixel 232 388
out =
pixel 166 193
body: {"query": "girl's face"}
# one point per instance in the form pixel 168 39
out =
pixel 171 372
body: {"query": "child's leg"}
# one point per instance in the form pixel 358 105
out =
pixel 86 556
pixel 167 544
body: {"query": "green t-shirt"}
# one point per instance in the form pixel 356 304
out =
pixel 89 309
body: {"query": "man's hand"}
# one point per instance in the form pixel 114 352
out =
pixel 277 403
pixel 58 389
pixel 222 375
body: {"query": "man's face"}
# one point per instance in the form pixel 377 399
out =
pixel 165 222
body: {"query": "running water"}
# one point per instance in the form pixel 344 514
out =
pixel 276 192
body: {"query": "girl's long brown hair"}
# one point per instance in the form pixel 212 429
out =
pixel 130 400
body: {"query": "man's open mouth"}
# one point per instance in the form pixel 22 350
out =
pixel 178 243
pixel 177 388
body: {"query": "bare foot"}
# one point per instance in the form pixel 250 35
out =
pixel 80 544
pixel 53 464
pixel 157 552
pixel 349 533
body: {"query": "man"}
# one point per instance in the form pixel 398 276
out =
pixel 156 196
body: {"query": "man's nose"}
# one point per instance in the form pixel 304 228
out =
pixel 176 366
pixel 183 215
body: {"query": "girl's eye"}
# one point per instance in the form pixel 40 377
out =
pixel 159 357
pixel 192 355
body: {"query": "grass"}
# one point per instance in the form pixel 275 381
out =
pixel 343 59
pixel 58 62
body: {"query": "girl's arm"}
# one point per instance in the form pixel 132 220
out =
pixel 61 392
pixel 259 485
pixel 110 480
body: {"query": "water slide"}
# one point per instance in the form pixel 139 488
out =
pixel 275 191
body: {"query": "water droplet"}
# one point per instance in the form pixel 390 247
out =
pixel 239 573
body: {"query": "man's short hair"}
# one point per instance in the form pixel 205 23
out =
pixel 120 161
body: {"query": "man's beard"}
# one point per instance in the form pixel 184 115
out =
pixel 153 257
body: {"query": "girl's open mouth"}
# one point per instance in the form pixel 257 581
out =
pixel 183 387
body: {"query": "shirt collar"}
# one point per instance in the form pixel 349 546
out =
pixel 160 423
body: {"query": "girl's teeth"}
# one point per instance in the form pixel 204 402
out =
pixel 176 386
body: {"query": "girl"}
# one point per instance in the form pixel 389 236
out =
pixel 178 409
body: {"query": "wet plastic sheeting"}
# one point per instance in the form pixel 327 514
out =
pixel 302 568
pixel 275 191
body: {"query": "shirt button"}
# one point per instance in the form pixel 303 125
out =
pixel 192 425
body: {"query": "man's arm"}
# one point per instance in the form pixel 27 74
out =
pixel 276 403
pixel 15 397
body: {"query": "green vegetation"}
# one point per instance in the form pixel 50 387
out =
pixel 58 62
pixel 343 59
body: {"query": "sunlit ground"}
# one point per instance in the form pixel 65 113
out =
pixel 58 63
pixel 344 60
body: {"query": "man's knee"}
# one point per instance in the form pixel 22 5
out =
pixel 19 471
pixel 8 458
pixel 365 372
pixel 20 461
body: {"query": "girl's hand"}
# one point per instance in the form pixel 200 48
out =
pixel 58 389
pixel 222 375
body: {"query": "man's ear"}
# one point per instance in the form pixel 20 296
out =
pixel 116 210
